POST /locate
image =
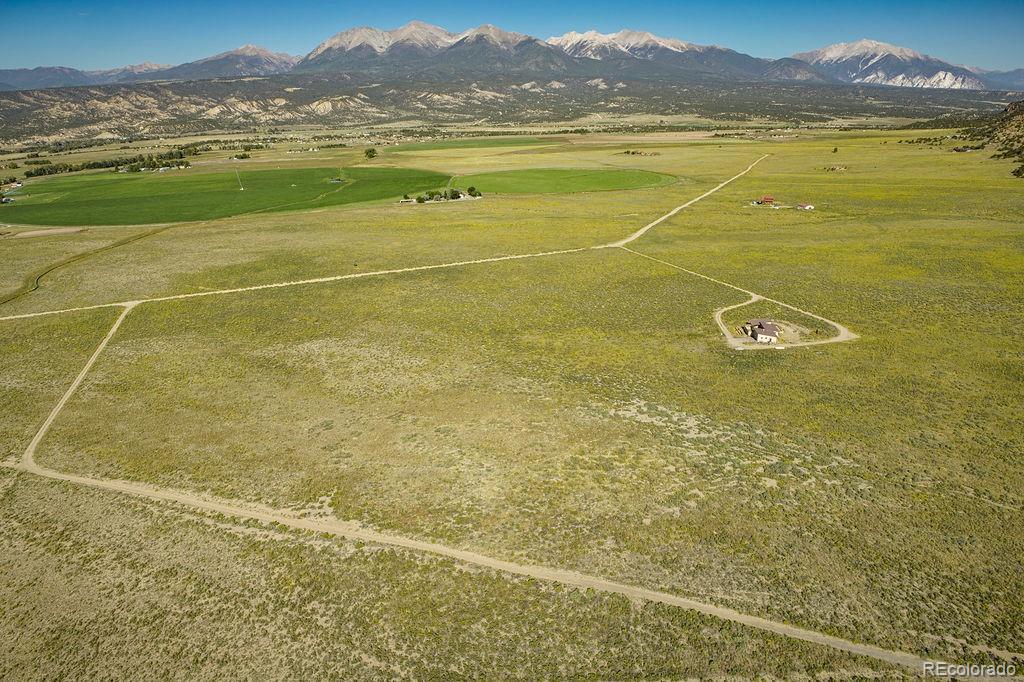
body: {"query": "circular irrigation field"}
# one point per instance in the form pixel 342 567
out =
pixel 184 195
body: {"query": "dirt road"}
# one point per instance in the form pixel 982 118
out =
pixel 643 230
pixel 356 532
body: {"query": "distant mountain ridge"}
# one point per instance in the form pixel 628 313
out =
pixel 1010 80
pixel 418 47
pixel 415 34
pixel 422 50
pixel 628 46
pixel 874 62
pixel 247 60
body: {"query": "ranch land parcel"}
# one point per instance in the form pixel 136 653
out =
pixel 321 432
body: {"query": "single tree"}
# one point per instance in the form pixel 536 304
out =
pixel 370 153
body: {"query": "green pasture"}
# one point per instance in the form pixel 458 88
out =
pixel 186 195
pixel 275 246
pixel 562 180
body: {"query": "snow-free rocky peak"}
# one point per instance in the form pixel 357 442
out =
pixel 144 67
pixel 249 50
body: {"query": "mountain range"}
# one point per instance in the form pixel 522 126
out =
pixel 869 61
pixel 427 52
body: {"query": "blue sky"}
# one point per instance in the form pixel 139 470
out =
pixel 94 35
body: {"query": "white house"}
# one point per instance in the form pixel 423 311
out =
pixel 762 331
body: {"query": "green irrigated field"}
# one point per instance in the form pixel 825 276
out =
pixel 188 195
pixel 575 410
pixel 562 180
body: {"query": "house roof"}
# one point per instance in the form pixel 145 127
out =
pixel 764 326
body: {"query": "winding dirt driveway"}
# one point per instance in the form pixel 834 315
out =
pixel 843 334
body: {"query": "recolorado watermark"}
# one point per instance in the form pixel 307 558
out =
pixel 943 669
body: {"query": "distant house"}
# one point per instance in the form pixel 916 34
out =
pixel 762 330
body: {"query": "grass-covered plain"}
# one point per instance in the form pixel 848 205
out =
pixel 578 411
pixel 40 357
pixel 472 143
pixel 100 585
pixel 582 411
pixel 21 258
pixel 187 195
pixel 562 180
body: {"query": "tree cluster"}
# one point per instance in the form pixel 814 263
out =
pixel 451 194
pixel 131 163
